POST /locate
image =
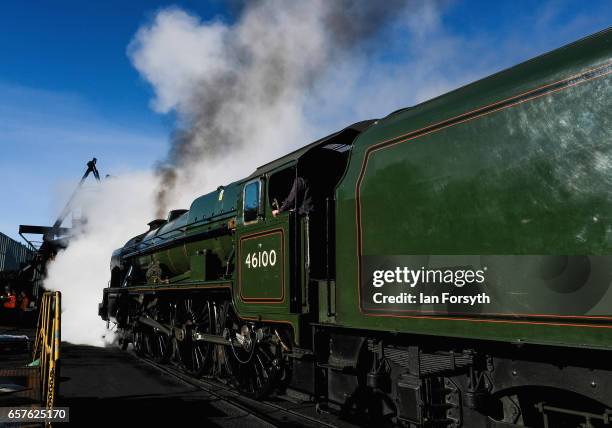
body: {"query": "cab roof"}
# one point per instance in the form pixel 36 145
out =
pixel 338 141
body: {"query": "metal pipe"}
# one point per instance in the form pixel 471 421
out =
pixel 229 259
pixel 327 259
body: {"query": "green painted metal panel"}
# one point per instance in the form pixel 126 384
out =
pixel 262 276
pixel 198 266
pixel 515 164
pixel 257 293
pixel 220 203
pixel 177 260
pixel 261 269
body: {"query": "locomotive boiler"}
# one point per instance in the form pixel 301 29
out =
pixel 370 299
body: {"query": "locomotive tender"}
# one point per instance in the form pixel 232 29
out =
pixel 508 180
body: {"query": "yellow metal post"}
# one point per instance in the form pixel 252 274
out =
pixel 47 345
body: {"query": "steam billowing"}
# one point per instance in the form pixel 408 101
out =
pixel 244 93
pixel 285 73
pixel 239 90
pixel 115 211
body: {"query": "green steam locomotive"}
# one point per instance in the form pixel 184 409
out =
pixel 449 265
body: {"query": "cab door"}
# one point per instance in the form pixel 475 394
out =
pixel 265 258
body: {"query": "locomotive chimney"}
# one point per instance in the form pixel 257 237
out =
pixel 156 224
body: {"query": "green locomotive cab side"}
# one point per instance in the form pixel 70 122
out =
pixel 282 260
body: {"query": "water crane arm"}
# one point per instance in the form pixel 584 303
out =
pixel 91 169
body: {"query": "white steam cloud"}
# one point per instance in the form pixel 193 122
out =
pixel 281 75
pixel 116 210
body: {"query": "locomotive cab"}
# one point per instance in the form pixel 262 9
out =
pixel 322 166
pixel 282 258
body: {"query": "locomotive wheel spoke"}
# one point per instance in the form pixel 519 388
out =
pixel 252 362
pixel 195 355
pixel 264 372
pixel 159 346
pixel 255 366
pixel 140 343
pixel 197 358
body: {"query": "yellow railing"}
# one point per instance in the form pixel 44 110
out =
pixel 47 345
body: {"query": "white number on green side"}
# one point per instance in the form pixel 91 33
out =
pixel 261 259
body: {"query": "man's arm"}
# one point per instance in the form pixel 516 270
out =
pixel 289 202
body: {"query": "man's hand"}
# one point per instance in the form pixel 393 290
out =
pixel 274 213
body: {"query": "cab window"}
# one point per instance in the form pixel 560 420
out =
pixel 251 201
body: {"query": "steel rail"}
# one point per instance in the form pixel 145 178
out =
pixel 263 410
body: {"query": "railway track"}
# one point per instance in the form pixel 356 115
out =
pixel 264 413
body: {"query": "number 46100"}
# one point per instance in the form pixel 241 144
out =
pixel 261 259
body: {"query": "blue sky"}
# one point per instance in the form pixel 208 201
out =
pixel 68 90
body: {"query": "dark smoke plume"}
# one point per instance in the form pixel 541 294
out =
pixel 248 72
